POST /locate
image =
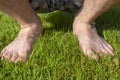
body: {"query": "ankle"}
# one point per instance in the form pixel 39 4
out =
pixel 82 24
pixel 81 27
pixel 30 31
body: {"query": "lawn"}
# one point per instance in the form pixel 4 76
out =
pixel 56 55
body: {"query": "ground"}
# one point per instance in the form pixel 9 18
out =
pixel 56 55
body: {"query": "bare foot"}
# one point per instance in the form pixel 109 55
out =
pixel 21 47
pixel 90 42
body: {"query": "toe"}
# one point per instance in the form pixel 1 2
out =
pixel 8 57
pixel 103 51
pixel 0 54
pixel 20 59
pixel 3 52
pixel 99 52
pixel 90 53
pixel 108 47
pixel 14 57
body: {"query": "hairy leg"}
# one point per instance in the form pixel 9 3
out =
pixel 31 28
pixel 84 29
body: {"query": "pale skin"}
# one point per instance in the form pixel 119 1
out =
pixel 89 41
pixel 31 28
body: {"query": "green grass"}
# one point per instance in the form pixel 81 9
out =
pixel 57 56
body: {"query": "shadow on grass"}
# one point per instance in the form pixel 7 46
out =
pixel 61 20
pixel 110 20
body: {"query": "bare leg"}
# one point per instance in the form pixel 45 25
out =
pixel 30 23
pixel 85 31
